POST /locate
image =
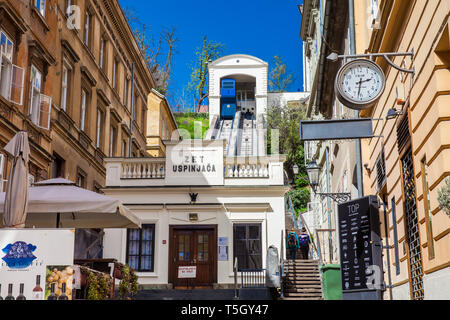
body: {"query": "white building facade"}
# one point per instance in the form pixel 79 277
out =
pixel 207 203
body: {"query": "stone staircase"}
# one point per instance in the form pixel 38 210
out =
pixel 302 280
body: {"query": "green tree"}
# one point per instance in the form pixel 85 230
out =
pixel 279 78
pixel 208 52
pixel 286 120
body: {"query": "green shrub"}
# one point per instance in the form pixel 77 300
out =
pixel 444 197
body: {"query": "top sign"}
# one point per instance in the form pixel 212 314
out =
pixel 359 242
pixel 195 162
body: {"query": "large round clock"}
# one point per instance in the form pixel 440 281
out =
pixel 359 83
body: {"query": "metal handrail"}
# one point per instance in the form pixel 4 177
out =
pixel 291 209
pixel 281 266
pixel 235 267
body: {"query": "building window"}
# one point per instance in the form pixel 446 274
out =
pixel 65 87
pixel 247 246
pixel 40 6
pixel 84 101
pixel 81 178
pixel 68 4
pixel 112 141
pixel 143 116
pixel 40 105
pixel 124 148
pixel 11 76
pixel 100 121
pixel 426 200
pixel 125 94
pixel 58 166
pixel 140 248
pixel 87 21
pixel 102 53
pixel 114 77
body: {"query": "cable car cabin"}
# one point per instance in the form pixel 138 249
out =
pixel 228 88
pixel 227 108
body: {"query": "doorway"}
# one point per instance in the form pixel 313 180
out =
pixel 193 246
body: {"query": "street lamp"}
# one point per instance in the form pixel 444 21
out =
pixel 295 169
pixel 313 171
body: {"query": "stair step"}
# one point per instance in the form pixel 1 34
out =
pixel 305 286
pixel 305 295
pixel 298 298
pixel 303 290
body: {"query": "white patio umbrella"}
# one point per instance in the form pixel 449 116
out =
pixel 15 201
pixel 60 203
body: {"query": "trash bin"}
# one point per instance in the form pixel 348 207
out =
pixel 331 281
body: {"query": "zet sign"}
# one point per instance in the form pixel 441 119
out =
pixel 29 256
pixel 194 162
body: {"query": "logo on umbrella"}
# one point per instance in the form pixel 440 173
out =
pixel 19 255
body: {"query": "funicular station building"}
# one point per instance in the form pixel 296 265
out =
pixel 205 202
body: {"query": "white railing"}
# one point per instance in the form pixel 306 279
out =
pixel 143 168
pixel 246 167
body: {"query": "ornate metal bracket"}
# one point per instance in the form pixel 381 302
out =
pixel 334 57
pixel 338 197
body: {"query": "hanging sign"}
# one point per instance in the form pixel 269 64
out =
pixel 187 272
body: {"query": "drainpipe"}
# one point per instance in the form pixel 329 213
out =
pixel 330 240
pixel 356 113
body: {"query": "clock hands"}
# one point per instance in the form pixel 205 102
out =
pixel 360 83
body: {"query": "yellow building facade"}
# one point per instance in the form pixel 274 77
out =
pixel 410 159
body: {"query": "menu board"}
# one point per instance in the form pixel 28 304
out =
pixel 358 220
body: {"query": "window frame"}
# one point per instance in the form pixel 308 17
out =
pixel 39 8
pixel 152 227
pixel 427 208
pixel 247 232
pixel 84 111
pixel 87 29
pixel 34 93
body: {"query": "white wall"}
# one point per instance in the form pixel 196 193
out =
pixel 272 222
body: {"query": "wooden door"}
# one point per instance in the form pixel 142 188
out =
pixel 193 247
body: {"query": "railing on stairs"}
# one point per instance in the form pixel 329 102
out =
pixel 315 253
pixel 253 278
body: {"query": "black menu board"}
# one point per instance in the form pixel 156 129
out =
pixel 357 221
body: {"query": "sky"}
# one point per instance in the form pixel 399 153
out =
pixel 262 28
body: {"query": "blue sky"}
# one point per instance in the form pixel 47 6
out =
pixel 261 28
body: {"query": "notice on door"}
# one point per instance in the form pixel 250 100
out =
pixel 187 272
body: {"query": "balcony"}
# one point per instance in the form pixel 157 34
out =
pixel 236 171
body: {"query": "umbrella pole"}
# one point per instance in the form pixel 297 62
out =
pixel 57 219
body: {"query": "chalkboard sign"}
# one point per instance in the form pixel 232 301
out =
pixel 359 242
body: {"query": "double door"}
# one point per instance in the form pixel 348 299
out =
pixel 193 247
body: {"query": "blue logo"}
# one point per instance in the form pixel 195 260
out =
pixel 19 255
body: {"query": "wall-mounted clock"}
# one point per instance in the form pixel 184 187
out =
pixel 359 83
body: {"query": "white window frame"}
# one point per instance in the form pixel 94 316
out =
pixel 87 19
pixel 64 86
pixel 99 131
pixel 38 100
pixel 11 76
pixel 102 52
pixel 2 168
pixel 40 6
pixel 84 96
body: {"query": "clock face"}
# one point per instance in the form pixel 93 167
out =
pixel 359 83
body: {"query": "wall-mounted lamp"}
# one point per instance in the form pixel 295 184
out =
pixel 393 113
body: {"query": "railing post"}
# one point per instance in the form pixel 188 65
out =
pixel 236 297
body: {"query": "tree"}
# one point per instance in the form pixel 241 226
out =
pixel 152 51
pixel 286 119
pixel 205 54
pixel 279 79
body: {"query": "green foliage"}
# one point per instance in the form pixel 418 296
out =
pixel 128 286
pixel 98 287
pixel 279 78
pixel 300 198
pixel 209 51
pixel 444 197
pixel 186 121
pixel 286 119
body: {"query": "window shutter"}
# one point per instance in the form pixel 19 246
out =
pixel 16 85
pixel 45 108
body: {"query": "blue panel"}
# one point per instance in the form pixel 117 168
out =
pixel 228 88
pixel 228 108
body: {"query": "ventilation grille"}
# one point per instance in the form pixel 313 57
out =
pixel 381 171
pixel 403 136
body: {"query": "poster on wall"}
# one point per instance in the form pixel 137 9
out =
pixel 24 257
